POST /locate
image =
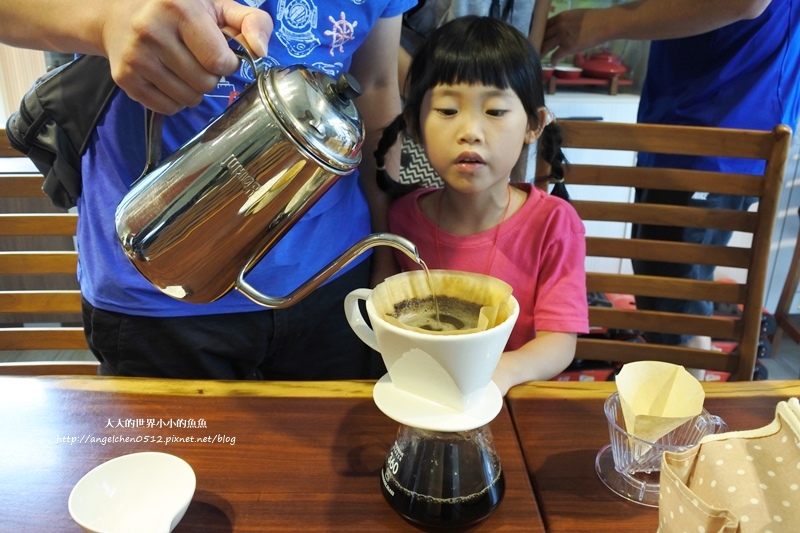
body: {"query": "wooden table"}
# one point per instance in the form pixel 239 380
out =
pixel 288 457
pixel 561 427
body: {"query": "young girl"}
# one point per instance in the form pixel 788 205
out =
pixel 474 100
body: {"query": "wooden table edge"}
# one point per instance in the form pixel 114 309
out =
pixel 576 390
pixel 179 387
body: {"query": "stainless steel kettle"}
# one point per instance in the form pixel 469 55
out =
pixel 197 223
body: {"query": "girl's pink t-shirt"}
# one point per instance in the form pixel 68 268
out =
pixel 540 252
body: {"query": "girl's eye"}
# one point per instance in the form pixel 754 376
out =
pixel 496 112
pixel 446 111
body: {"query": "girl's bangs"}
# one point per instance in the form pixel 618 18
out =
pixel 470 65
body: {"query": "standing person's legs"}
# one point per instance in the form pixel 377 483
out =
pixel 193 347
pixel 310 340
pixel 313 340
pixel 690 235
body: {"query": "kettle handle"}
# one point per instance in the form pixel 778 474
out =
pixel 153 120
pixel 370 241
pixel 245 53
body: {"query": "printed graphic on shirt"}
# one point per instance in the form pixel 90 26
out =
pixel 331 69
pixel 224 89
pixel 297 23
pixel 261 63
pixel 341 33
pixel 296 20
pixel 229 89
pixel 299 29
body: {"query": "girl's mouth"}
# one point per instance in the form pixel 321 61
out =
pixel 469 161
pixel 470 157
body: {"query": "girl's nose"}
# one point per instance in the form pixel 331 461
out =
pixel 470 132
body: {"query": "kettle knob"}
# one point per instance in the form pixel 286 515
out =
pixel 347 87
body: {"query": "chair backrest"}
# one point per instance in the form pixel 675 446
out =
pixel 595 202
pixel 39 295
pixel 50 368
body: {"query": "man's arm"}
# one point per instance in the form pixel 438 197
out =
pixel 541 9
pixel 575 30
pixel 164 53
pixel 375 67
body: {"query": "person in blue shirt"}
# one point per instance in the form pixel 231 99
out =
pixel 718 63
pixel 171 56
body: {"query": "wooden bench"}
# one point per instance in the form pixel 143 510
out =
pixel 39 294
pixel 50 368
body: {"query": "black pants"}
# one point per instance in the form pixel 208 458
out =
pixel 679 270
pixel 309 341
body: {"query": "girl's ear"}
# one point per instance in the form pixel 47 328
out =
pixel 543 118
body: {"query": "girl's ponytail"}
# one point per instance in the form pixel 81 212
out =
pixel 550 152
pixel 392 187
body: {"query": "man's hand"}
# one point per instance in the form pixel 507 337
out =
pixel 576 30
pixel 567 33
pixel 167 54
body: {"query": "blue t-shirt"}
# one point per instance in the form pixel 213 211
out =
pixel 322 34
pixel 745 75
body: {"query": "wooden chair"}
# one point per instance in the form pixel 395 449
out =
pixel 38 262
pixel 786 320
pixel 50 368
pixel 592 204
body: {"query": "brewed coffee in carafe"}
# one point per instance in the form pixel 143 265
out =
pixel 443 479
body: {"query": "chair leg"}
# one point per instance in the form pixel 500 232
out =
pixel 782 314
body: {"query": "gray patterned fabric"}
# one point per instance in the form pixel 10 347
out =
pixel 414 167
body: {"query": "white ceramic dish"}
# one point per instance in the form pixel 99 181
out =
pixel 140 492
pixel 418 412
pixel 567 72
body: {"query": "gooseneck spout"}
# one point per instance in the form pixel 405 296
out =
pixel 375 239
pixel 397 242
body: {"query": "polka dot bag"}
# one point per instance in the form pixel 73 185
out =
pixel 741 482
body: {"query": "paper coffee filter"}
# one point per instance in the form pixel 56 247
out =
pixel 492 293
pixel 657 397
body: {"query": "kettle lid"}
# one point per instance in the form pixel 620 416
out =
pixel 318 114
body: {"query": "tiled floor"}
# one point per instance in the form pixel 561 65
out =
pixel 786 362
pixel 784 365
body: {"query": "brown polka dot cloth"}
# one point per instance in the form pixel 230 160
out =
pixel 743 481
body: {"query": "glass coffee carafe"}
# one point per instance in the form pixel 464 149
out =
pixel 443 479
